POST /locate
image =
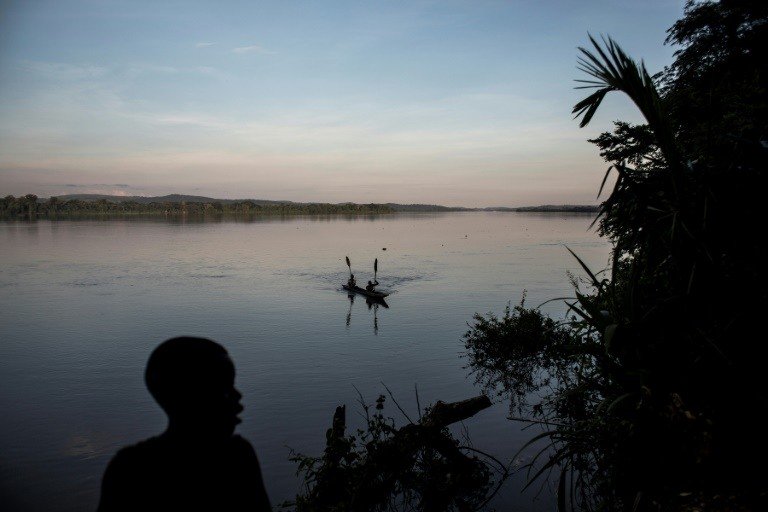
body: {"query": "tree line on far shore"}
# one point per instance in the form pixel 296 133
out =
pixel 30 206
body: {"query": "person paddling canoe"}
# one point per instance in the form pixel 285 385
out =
pixel 351 281
pixel 372 284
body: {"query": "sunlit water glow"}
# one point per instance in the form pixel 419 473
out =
pixel 83 303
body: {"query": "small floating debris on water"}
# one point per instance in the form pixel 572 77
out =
pixel 383 248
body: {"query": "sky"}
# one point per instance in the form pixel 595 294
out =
pixel 462 103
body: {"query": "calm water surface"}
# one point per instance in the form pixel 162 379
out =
pixel 83 303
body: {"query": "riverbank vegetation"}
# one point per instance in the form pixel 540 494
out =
pixel 649 392
pixel 29 206
pixel 420 466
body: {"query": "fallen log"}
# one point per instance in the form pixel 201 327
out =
pixel 444 414
pixel 385 463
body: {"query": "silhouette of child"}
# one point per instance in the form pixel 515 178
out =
pixel 197 463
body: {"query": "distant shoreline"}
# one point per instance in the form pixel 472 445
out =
pixel 177 204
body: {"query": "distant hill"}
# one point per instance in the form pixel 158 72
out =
pixel 170 198
pixel 427 208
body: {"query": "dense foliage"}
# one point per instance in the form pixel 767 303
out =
pixel 650 390
pixel 30 206
pixel 419 466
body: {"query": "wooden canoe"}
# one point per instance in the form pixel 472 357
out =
pixel 363 291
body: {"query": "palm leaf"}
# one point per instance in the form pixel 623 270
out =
pixel 612 69
pixel 592 276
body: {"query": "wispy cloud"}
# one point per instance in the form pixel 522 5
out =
pixel 90 74
pixel 204 45
pixel 66 71
pixel 255 48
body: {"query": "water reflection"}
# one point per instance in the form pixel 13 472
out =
pixel 373 305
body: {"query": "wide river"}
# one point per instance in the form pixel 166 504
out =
pixel 83 303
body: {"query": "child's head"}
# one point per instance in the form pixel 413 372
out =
pixel 193 380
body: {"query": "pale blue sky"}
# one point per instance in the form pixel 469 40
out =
pixel 451 102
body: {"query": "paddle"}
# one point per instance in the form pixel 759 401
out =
pixel 375 268
pixel 350 267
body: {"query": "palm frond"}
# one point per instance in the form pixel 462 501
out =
pixel 612 69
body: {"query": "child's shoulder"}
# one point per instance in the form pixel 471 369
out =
pixel 133 460
pixel 139 450
pixel 241 445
